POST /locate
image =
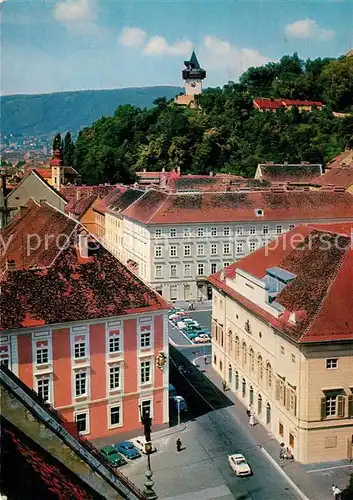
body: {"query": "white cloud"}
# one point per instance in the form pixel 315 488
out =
pixel 158 45
pixel 132 37
pixel 308 28
pixel 220 55
pixel 74 11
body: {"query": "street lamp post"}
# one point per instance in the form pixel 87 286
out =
pixel 146 420
pixel 178 406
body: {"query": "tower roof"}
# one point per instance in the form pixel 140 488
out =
pixel 193 63
pixel 193 68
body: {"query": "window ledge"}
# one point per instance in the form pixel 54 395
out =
pixel 43 369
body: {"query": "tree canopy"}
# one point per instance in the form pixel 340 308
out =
pixel 228 134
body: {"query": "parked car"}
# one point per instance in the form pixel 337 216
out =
pixel 180 324
pixel 239 465
pixel 140 443
pixel 112 456
pixel 189 321
pixel 202 339
pixel 127 449
pixel 197 333
pixel 176 316
pixel 180 401
pixel 175 310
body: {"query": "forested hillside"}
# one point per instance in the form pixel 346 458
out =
pixel 228 134
pixel 46 114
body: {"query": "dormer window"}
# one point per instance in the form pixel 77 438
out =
pixel 259 212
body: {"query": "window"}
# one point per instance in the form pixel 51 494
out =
pixel 115 415
pixel 146 407
pixel 173 270
pixel 43 388
pixel 291 401
pixel 42 355
pixel 173 292
pixel 291 226
pixel 145 336
pixel 291 440
pixel 80 349
pixel 214 359
pixel 158 251
pixel 213 231
pixel 240 248
pixel 159 271
pixel 252 230
pixel 239 230
pixel 331 363
pixel 187 269
pixel 280 429
pixel 243 352
pixel 5 362
pixel 81 422
pixel 252 360
pixel 252 246
pixel 264 229
pixel 226 231
pixel 282 350
pixel 114 377
pixel 200 269
pixel 81 384
pixel 293 358
pixel 269 376
pixel 226 264
pixel 172 233
pixel 173 251
pixel 331 406
pixel 187 250
pixel 200 231
pixel 186 232
pixel 213 268
pixel 114 343
pixel 260 368
pixel 226 249
pixel 158 233
pixel 278 229
pixel 145 372
pixel 200 249
pixel 213 249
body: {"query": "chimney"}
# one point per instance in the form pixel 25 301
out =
pixel 211 174
pixel 163 169
pixel 144 170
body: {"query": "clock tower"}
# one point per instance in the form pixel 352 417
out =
pixel 193 75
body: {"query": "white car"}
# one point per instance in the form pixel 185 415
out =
pixel 202 339
pixel 139 443
pixel 239 465
pixel 190 321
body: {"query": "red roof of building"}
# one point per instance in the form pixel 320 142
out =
pixel 321 258
pixel 81 197
pixel 53 283
pixel 342 160
pixel 339 176
pixel 264 103
pixel 300 172
pixel 42 171
pixel 156 207
pixel 299 102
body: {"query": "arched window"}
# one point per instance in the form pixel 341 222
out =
pixel 259 404
pixel 252 359
pixel 230 374
pixel 230 342
pixel 251 395
pixel 236 381
pixel 260 368
pixel 243 353
pixel 237 347
pixel 269 376
pixel 243 388
pixel 268 413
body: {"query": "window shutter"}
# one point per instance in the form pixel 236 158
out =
pixel 287 396
pixel 278 390
pixel 295 405
pixel 323 408
pixel 350 405
pixel 340 406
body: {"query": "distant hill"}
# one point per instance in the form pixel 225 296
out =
pixel 46 114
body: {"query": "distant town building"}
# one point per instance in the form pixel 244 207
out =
pixel 79 327
pixel 193 75
pixel 271 104
pixel 282 338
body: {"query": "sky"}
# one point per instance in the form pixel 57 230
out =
pixel 54 46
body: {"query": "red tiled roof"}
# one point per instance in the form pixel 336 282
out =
pixel 321 257
pixel 298 102
pixel 264 103
pixel 124 199
pixel 339 176
pixel 290 172
pixel 43 172
pixel 81 197
pixel 63 286
pixel 156 207
pixel 344 159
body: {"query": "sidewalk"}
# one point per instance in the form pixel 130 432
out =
pixel 205 305
pixel 313 487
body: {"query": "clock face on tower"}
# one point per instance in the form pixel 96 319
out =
pixel 193 84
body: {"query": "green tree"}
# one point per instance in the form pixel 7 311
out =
pixel 347 493
pixel 68 150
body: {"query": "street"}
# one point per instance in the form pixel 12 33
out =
pixel 202 316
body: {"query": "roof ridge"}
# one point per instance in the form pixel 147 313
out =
pixel 344 255
pixel 160 205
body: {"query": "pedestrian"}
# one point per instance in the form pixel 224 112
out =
pixel 224 384
pixel 337 493
pixel 178 444
pixel 251 420
pixel 205 359
pixel 249 410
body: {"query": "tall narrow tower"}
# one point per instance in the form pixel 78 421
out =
pixel 193 75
